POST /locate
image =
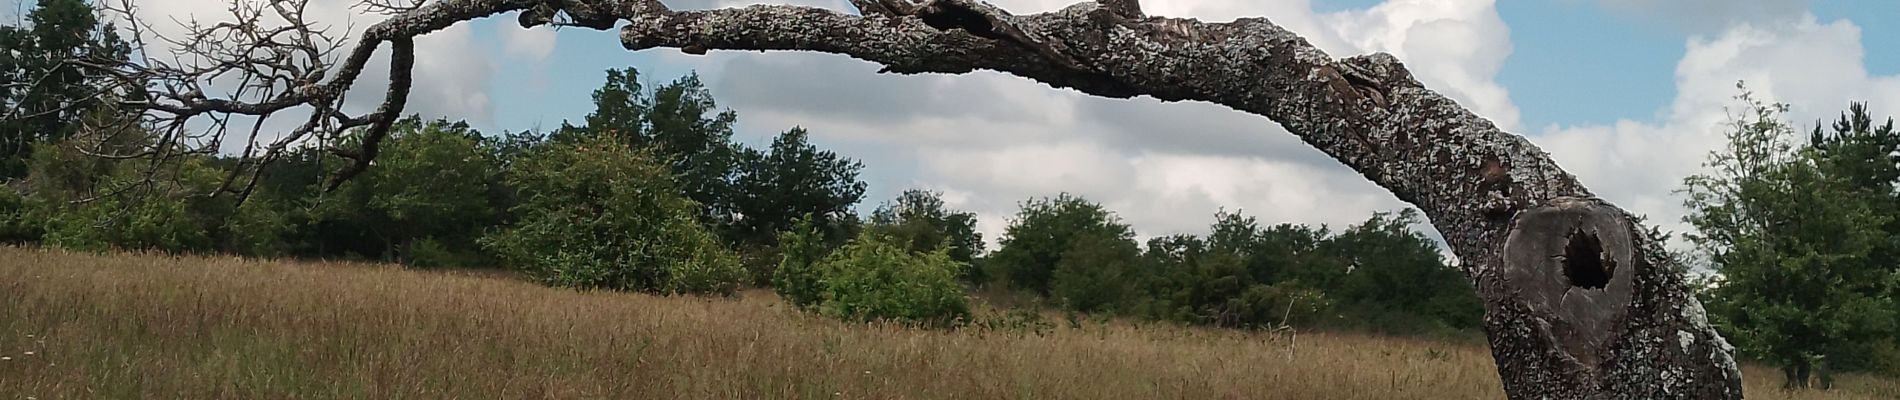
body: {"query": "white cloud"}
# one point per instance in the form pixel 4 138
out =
pixel 1816 67
pixel 1455 47
pixel 990 141
pixel 533 44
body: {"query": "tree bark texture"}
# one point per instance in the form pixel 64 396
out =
pixel 1580 302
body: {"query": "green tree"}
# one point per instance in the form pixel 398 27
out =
pixel 136 206
pixel 919 218
pixel 595 214
pixel 678 122
pixel 1793 249
pixel 1098 273
pixel 423 205
pixel 797 279
pixel 1395 280
pixel 873 277
pixel 435 189
pixel 1865 155
pixel 791 179
pixel 1196 283
pixel 1043 232
pixel 42 93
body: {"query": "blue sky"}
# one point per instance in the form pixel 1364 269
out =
pixel 1629 95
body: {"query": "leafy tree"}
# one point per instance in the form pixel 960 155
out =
pixel 44 95
pixel 791 179
pixel 1793 247
pixel 1197 284
pixel 797 278
pixel 424 205
pixel 595 214
pixel 1379 275
pixel 1396 281
pixel 435 189
pixel 678 122
pixel 918 217
pixel 1866 156
pixel 19 222
pixel 876 278
pixel 1043 232
pixel 131 209
pixel 1098 273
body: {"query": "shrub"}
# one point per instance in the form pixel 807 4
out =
pixel 876 278
pixel 1045 229
pixel 594 214
pixel 1096 274
pixel 168 212
pixel 258 229
pixel 797 279
pixel 18 224
pixel 1270 306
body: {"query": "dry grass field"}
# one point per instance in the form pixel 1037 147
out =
pixel 152 326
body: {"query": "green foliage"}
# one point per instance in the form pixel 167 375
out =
pixel 1796 241
pixel 1396 281
pixel 1043 231
pixel 749 195
pixel 258 228
pixel 1379 275
pixel 43 94
pixel 918 218
pixel 791 179
pixel 1097 273
pixel 595 214
pixel 171 212
pixel 435 181
pixel 19 222
pixel 1271 306
pixel 797 278
pixel 1016 321
pixel 876 278
pixel 677 122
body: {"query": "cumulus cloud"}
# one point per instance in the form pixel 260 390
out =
pixel 1460 46
pixel 990 141
pixel 535 45
pixel 1814 66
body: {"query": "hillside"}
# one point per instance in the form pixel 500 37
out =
pixel 125 326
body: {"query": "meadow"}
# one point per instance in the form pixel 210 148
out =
pixel 83 325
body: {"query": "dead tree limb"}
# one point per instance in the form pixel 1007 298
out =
pixel 1580 302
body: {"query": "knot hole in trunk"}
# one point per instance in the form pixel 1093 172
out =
pixel 1584 263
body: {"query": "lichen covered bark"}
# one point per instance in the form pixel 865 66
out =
pixel 1502 205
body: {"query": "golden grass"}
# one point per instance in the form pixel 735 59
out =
pixel 133 326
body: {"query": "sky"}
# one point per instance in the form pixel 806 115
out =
pixel 1629 95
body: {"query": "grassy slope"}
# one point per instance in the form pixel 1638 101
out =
pixel 119 326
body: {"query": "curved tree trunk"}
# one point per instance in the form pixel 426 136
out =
pixel 1579 301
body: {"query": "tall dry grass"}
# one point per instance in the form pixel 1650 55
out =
pixel 149 326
